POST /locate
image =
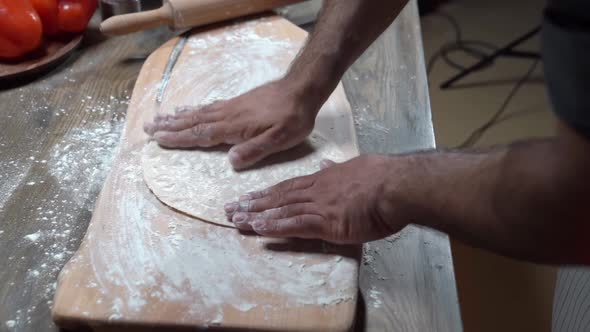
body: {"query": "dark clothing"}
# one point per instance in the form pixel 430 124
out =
pixel 566 59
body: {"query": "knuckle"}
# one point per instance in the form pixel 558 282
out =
pixel 297 221
pixel 274 227
pixel 195 118
pixel 279 136
pixel 291 184
pixel 279 197
pixel 199 130
pixel 305 182
pixel 284 212
pixel 243 133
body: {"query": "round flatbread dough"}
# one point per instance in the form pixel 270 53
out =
pixel 200 182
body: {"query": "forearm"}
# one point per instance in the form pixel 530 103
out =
pixel 525 200
pixel 344 29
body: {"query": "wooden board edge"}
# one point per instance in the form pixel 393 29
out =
pixel 65 317
pixel 60 310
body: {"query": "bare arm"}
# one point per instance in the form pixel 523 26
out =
pixel 344 30
pixel 529 200
pixel 280 114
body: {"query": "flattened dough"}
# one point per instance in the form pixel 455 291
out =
pixel 200 182
pixel 219 65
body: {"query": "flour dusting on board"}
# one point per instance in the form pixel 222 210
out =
pixel 200 182
pixel 85 156
pixel 51 192
pixel 217 66
pixel 147 257
pixel 243 60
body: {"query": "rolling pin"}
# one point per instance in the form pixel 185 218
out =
pixel 183 14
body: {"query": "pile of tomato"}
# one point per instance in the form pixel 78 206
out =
pixel 24 23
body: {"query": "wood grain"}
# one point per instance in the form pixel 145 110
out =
pixel 137 263
pixel 36 118
pixel 407 280
pixel 419 294
pixel 571 306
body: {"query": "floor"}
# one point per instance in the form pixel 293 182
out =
pixel 495 293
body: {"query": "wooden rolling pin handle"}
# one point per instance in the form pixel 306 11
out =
pixel 128 23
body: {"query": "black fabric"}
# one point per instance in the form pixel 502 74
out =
pixel 566 59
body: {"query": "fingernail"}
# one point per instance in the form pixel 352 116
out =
pixel 230 207
pixel 239 218
pixel 245 197
pixel 234 158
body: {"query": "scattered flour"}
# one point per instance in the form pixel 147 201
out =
pixel 375 297
pixel 72 174
pixel 12 173
pixel 77 167
pixel 85 156
pixel 34 236
pixel 153 256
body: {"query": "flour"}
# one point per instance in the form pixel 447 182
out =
pixel 200 182
pixel 170 262
pixel 12 173
pixel 147 255
pixel 366 122
pixel 244 60
pixel 375 297
pixel 85 156
pixel 72 174
pixel 33 237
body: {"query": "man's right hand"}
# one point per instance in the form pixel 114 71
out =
pixel 271 118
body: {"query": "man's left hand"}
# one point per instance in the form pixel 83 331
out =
pixel 343 203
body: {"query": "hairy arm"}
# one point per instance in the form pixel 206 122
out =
pixel 344 30
pixel 528 200
pixel 279 115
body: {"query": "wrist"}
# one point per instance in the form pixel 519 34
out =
pixel 405 191
pixel 312 82
pixel 305 92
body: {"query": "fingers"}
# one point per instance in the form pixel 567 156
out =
pixel 302 182
pixel 251 151
pixel 307 226
pixel 203 134
pixel 242 220
pixel 271 201
pixel 184 118
pixel 326 163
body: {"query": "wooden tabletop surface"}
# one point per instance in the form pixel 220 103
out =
pixel 59 132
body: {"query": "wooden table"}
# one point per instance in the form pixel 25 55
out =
pixel 58 134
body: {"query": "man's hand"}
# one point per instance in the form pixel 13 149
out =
pixel 279 115
pixel 343 203
pixel 271 118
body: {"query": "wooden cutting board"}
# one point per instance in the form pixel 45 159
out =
pixel 142 264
